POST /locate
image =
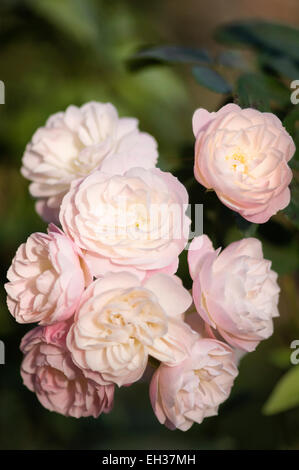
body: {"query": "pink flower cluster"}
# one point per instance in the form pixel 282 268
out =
pixel 103 288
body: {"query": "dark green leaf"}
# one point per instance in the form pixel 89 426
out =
pixel 274 37
pixel 252 92
pixel 259 91
pixel 174 54
pixel 286 393
pixel 283 65
pixel 211 79
pixel 278 93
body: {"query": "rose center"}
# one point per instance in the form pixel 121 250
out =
pixel 137 312
pixel 238 162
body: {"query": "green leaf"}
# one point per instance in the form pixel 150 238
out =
pixel 211 80
pixel 278 93
pixel 175 54
pixel 274 37
pixel 285 394
pixel 280 357
pixel 252 92
pixel 283 65
pixel 260 91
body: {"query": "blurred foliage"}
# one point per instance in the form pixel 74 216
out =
pixel 262 36
pixel 58 52
pixel 286 393
pixel 211 79
pixel 173 54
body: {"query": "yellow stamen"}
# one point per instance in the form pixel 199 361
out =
pixel 238 157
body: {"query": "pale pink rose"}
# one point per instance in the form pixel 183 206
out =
pixel 121 321
pixel 243 155
pixel 193 390
pixel 235 291
pixel 74 143
pixel 48 370
pixel 134 222
pixel 47 278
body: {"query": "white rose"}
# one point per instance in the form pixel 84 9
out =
pixel 75 142
pixel 135 221
pixel 121 321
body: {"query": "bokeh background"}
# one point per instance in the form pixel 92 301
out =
pixel 59 52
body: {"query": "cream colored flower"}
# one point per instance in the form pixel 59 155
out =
pixel 74 143
pixel 122 321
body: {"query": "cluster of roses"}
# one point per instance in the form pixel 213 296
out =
pixel 103 286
